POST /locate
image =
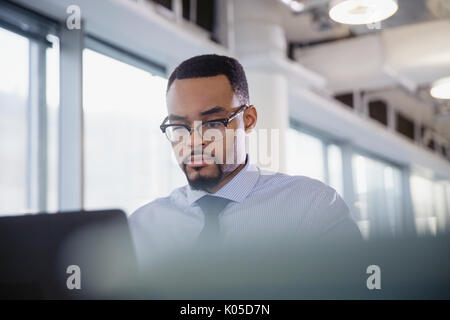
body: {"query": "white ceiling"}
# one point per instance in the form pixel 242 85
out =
pixel 410 51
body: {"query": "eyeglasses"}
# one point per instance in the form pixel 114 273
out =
pixel 177 132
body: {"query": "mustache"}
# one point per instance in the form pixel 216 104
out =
pixel 197 153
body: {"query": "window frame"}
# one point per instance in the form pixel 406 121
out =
pixel 405 220
pixel 36 29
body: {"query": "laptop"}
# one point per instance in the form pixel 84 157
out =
pixel 67 255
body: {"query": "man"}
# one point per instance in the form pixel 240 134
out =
pixel 227 197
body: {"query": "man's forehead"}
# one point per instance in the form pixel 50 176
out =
pixel 219 82
pixel 199 94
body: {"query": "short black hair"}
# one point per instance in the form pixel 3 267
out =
pixel 210 65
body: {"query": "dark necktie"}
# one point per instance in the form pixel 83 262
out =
pixel 211 207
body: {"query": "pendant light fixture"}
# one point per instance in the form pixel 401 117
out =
pixel 441 89
pixel 359 12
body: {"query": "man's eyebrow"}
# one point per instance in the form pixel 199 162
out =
pixel 174 117
pixel 213 110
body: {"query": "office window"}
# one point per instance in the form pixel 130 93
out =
pixel 447 204
pixel 346 98
pixel 378 111
pixel 305 155
pixel 440 206
pixel 310 156
pixel 431 205
pixel 128 161
pixel 165 3
pixel 52 119
pixel 405 126
pixel 444 151
pixel 14 62
pixel 28 115
pixel 200 12
pixel 335 174
pixel 431 144
pixel 205 14
pixel 378 197
pixel 186 4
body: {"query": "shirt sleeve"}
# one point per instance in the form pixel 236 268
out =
pixel 333 219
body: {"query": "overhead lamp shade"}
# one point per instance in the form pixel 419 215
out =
pixel 358 12
pixel 441 89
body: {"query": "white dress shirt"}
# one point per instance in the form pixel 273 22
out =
pixel 264 206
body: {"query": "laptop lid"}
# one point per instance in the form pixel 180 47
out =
pixel 68 255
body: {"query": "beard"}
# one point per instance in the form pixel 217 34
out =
pixel 202 182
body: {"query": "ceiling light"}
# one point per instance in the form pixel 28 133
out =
pixel 294 5
pixel 441 89
pixel 361 11
pixel 297 6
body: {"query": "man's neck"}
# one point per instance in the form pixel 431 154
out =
pixel 227 178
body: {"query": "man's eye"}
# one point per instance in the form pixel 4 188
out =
pixel 178 128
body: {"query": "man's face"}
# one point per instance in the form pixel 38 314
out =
pixel 206 163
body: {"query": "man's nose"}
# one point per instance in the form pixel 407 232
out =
pixel 195 138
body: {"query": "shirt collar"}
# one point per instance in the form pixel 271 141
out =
pixel 237 189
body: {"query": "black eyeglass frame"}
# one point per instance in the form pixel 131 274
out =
pixel 225 121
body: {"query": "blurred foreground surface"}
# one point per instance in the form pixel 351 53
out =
pixel 409 269
pixel 36 250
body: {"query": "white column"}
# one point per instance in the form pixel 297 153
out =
pixel 269 94
pixel 258 29
pixel 224 29
pixel 259 36
pixel 178 10
pixel 71 121
pixel 37 131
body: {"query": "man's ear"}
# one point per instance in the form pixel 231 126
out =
pixel 250 118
